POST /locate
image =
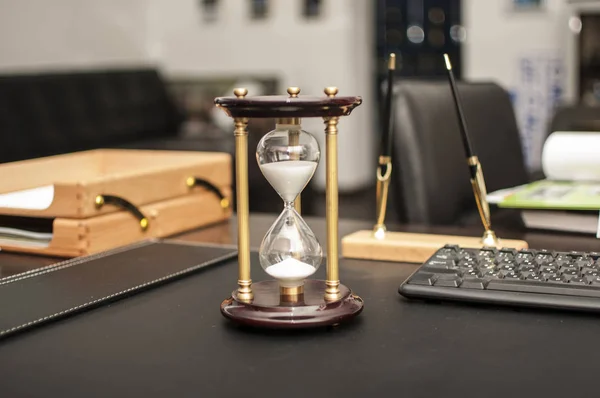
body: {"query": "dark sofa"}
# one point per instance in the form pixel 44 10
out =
pixel 45 114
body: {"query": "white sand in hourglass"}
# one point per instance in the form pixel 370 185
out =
pixel 290 272
pixel 288 178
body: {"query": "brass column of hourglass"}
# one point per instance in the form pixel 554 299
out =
pixel 321 302
pixel 332 290
pixel 293 92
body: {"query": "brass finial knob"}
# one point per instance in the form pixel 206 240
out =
pixel 190 182
pixel 99 200
pixel 240 92
pixel 293 91
pixel 392 62
pixel 331 91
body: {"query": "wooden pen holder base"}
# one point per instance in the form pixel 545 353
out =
pixel 408 247
pixel 270 310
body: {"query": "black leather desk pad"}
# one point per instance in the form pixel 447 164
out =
pixel 173 342
pixel 53 292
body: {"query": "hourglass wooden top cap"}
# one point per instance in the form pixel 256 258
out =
pixel 292 105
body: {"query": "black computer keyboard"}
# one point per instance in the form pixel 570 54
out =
pixel 523 278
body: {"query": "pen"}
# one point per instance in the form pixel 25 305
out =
pixel 384 168
pixel 477 180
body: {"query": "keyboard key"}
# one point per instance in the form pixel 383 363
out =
pixel 527 274
pixel 492 275
pixel 470 272
pixel 443 264
pixel 454 248
pixel 487 252
pixel 463 262
pixel 570 274
pixel 443 255
pixel 511 276
pixel 589 269
pixel 526 252
pixel 576 255
pixel 463 271
pixel 487 260
pixel 563 259
pixel 549 268
pixel 556 279
pixel 520 257
pixel 584 262
pixel 463 254
pixel 440 271
pixel 544 258
pixel 534 278
pixel 570 270
pixel 448 282
pixel 507 267
pixel 473 284
pixel 422 278
pixel 485 271
pixel 565 289
pixel 506 252
pixel 578 281
pixel 486 266
pixel 528 268
pixel 590 272
pixel 505 272
pixel 549 275
pixel 505 257
pixel 447 275
pixel 529 262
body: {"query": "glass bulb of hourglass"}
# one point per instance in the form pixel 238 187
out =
pixel 288 158
pixel 290 251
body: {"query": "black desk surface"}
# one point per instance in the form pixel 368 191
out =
pixel 173 341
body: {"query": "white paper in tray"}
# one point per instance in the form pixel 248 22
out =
pixel 39 198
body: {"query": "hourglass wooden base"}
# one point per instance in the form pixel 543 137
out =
pixel 270 310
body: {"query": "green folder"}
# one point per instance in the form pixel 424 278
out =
pixel 558 195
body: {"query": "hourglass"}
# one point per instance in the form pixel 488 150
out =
pixel 290 254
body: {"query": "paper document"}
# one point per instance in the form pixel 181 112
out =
pixel 22 237
pixel 39 198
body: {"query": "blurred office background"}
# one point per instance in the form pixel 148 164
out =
pixel 544 53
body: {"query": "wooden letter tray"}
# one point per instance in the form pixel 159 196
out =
pixel 86 202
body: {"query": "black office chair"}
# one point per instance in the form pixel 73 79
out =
pixel 575 118
pixel 431 179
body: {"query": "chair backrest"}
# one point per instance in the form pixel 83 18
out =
pixel 575 118
pixel 430 169
pixel 49 113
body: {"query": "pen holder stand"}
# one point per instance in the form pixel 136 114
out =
pixel 407 247
pixel 290 252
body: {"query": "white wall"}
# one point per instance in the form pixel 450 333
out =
pixel 46 34
pixel 499 38
pixel 308 54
